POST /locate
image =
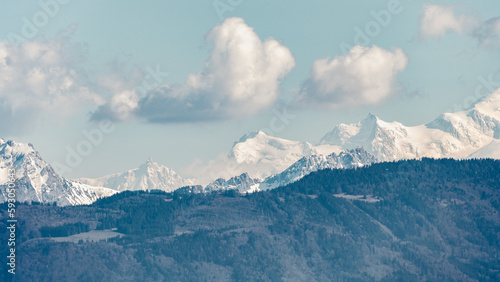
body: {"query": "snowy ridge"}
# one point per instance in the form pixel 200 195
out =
pixel 149 176
pixel 455 135
pixel 37 181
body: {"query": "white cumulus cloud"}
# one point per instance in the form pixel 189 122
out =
pixel 364 76
pixel 241 77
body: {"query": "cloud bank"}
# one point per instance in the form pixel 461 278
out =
pixel 364 76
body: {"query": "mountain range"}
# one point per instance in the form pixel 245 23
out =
pixel 472 133
pixel 258 161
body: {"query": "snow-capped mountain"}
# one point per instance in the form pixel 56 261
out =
pixel 37 181
pixel 149 176
pixel 267 155
pixel 473 133
pixel 457 135
pixel 346 159
pixel 260 155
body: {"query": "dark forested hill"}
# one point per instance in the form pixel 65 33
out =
pixel 408 220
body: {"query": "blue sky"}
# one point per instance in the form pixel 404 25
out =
pixel 431 57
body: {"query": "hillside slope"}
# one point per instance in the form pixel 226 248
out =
pixel 409 220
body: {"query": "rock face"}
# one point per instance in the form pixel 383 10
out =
pixel 37 181
pixel 149 176
pixel 457 135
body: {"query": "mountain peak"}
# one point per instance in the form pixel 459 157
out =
pixel 149 164
pixel 370 118
pixel 251 135
pixel 369 125
pixel 18 147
